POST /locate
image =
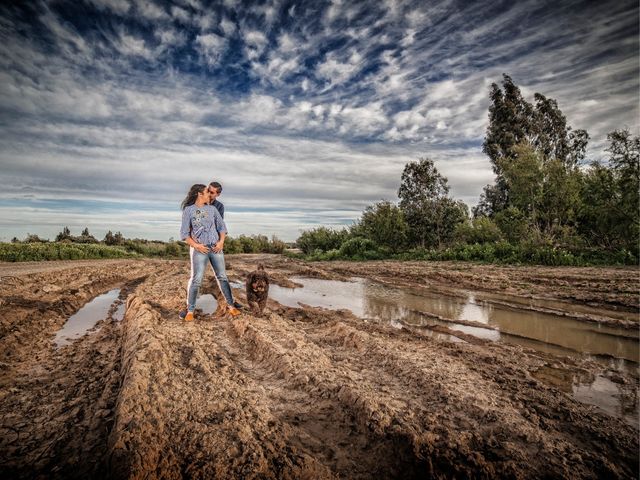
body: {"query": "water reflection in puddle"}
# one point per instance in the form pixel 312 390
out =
pixel 86 318
pixel 617 399
pixel 611 397
pixel 537 330
pixel 615 348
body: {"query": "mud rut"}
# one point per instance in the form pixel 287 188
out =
pixel 300 393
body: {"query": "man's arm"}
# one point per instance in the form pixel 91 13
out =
pixel 221 228
pixel 198 246
pixel 220 245
pixel 219 206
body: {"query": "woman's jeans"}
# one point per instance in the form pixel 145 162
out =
pixel 198 266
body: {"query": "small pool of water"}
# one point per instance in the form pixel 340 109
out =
pixel 542 331
pixel 617 399
pixel 615 348
pixel 611 397
pixel 86 318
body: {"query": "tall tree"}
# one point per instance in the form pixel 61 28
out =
pixel 430 214
pixel 522 173
pixel 609 214
pixel 65 234
pixel 513 121
pixel 384 223
pixel 624 151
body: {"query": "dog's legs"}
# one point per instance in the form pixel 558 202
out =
pixel 261 304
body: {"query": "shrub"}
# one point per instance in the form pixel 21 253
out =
pixel 23 252
pixel 321 238
pixel 513 224
pixel 357 246
pixel 478 230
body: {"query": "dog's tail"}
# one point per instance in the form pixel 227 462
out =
pixel 260 266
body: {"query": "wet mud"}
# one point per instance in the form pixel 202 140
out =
pixel 303 392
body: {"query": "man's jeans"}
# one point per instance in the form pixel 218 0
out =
pixel 198 266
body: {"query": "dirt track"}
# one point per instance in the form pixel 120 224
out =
pixel 300 393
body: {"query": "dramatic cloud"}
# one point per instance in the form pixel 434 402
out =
pixel 306 111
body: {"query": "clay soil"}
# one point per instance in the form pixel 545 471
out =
pixel 300 392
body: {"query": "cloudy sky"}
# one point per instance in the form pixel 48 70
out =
pixel 306 111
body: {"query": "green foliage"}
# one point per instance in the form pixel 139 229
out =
pixel 624 158
pixel 609 210
pixel 65 234
pixel 22 252
pixel 547 193
pixel 254 244
pixel 384 224
pixel 114 239
pixel 357 246
pixel 529 254
pixel 514 122
pixel 478 230
pixel 558 205
pixel 84 237
pixel 512 223
pixel 31 238
pixel 522 172
pixel 431 216
pixel 153 248
pixel 321 238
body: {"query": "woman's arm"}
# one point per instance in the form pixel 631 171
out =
pixel 185 233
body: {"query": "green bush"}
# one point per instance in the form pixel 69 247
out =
pixel 24 252
pixel 478 230
pixel 513 224
pixel 357 246
pixel 321 238
pixel 254 244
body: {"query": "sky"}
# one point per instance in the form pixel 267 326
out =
pixel 306 112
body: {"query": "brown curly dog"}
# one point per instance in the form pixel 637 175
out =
pixel 257 285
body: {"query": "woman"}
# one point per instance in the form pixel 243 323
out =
pixel 204 230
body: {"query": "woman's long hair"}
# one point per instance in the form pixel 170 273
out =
pixel 191 197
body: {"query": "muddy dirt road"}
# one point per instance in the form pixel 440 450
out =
pixel 301 392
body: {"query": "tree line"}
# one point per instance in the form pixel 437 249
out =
pixel 546 206
pixel 69 246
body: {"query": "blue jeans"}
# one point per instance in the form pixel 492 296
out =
pixel 198 266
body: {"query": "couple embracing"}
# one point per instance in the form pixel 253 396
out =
pixel 204 230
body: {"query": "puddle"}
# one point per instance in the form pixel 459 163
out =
pixel 617 399
pixel 542 331
pixel 86 318
pixel 207 303
pixel 611 397
pixel 614 348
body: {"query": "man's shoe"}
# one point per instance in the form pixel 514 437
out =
pixel 233 311
pixel 238 305
pixel 189 317
pixel 182 314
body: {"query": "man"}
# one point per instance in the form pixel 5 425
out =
pixel 215 190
